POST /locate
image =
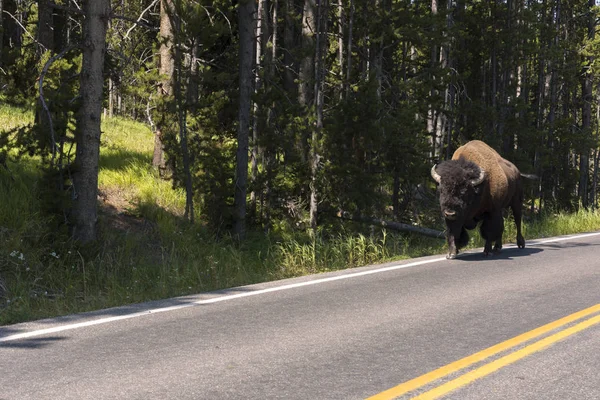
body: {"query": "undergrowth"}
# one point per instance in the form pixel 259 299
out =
pixel 147 251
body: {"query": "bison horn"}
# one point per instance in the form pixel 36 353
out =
pixel 480 178
pixel 435 175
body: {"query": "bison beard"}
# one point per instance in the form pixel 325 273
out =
pixel 475 186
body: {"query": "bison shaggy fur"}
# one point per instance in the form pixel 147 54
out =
pixel 474 187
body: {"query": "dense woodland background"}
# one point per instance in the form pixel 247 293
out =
pixel 291 111
pixel 157 148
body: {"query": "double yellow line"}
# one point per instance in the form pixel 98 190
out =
pixel 495 365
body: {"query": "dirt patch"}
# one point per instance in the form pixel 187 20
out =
pixel 118 210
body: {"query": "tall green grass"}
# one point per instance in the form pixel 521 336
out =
pixel 13 117
pixel 147 251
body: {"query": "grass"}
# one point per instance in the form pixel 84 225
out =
pixel 13 117
pixel 148 252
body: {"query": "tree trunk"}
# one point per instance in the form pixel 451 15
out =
pixel 85 175
pixel 192 92
pixel 321 36
pixel 441 116
pixel 182 109
pixel 166 70
pixel 448 63
pixel 45 38
pixel 431 114
pixel 270 148
pixel 586 113
pixel 111 98
pixel 595 179
pixel 553 90
pixel 505 84
pixel 540 97
pixel 13 27
pixel 340 17
pixel 246 28
pixel 261 33
pixel 61 23
pixel 306 72
pixel 45 35
pixel 349 49
pixel 1 31
pixel 377 50
pixel 596 158
pixel 289 42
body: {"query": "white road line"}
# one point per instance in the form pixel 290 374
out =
pixel 62 328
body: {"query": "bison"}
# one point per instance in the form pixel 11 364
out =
pixel 475 186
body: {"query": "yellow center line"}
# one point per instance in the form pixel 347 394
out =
pixel 455 366
pixel 506 360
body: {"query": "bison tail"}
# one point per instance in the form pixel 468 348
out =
pixel 530 176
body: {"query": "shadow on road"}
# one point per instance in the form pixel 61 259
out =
pixel 108 315
pixel 557 246
pixel 505 254
pixel 32 343
pixel 513 252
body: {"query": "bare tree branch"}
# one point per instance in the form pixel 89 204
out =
pixel 76 5
pixel 25 29
pixel 140 18
pixel 115 16
pixel 145 25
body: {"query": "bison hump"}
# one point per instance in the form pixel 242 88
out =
pixel 485 157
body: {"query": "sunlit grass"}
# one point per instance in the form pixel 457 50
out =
pixel 563 224
pixel 126 135
pixel 12 117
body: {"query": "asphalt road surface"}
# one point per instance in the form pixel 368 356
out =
pixel 524 324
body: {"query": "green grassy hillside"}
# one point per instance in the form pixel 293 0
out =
pixel 147 251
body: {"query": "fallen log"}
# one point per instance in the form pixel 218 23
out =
pixel 397 226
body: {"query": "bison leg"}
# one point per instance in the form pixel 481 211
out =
pixel 500 230
pixel 456 236
pixel 452 250
pixel 517 213
pixel 463 240
pixel 491 230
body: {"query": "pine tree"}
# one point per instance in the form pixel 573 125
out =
pixel 85 175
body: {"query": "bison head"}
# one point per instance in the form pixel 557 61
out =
pixel 460 185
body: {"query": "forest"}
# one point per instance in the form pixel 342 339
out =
pixel 279 116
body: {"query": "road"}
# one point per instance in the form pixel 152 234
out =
pixel 524 324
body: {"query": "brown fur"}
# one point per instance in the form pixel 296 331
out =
pixel 502 175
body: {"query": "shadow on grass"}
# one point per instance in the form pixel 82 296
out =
pixel 20 170
pixel 118 159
